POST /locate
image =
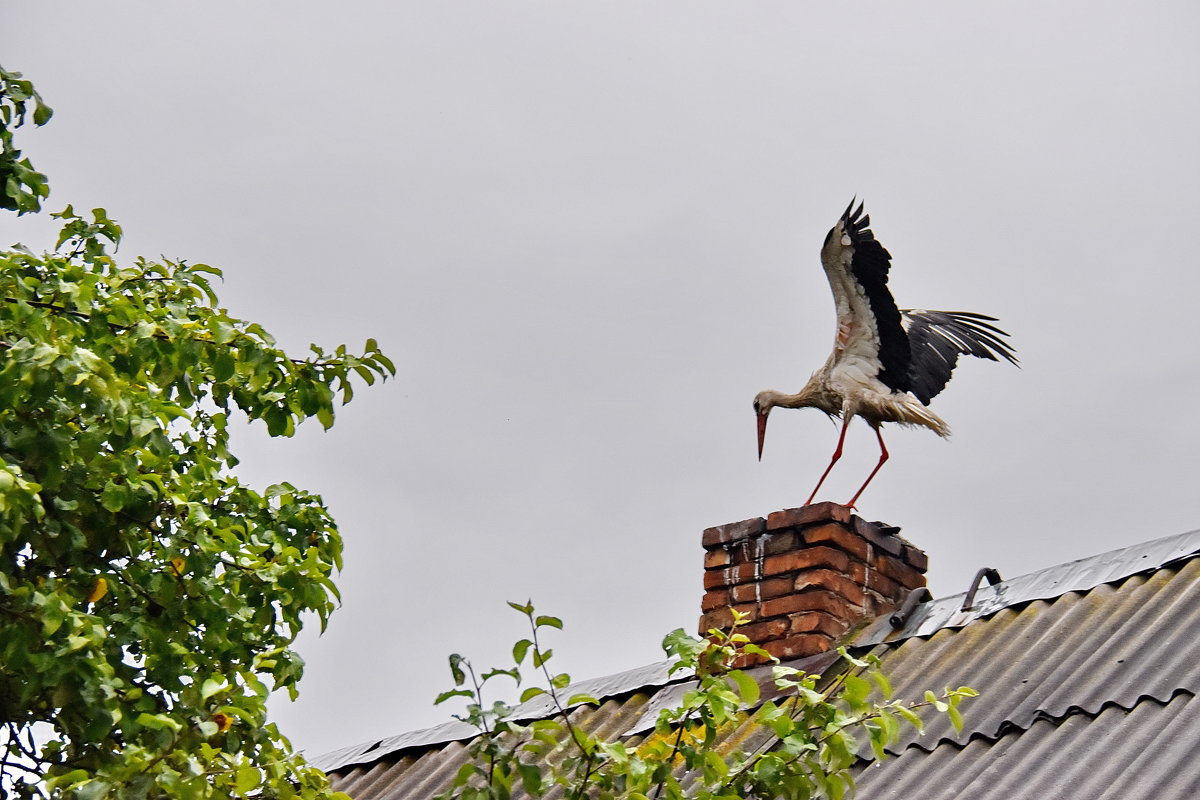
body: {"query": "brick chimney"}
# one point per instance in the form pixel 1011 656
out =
pixel 805 576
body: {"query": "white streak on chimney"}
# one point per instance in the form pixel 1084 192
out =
pixel 867 577
pixel 758 567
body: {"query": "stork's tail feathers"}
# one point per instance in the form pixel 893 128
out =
pixel 915 413
pixel 900 407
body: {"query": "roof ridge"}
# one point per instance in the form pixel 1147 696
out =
pixel 1080 575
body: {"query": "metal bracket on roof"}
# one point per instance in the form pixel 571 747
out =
pixel 911 601
pixel 987 572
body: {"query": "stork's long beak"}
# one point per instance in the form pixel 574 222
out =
pixel 762 433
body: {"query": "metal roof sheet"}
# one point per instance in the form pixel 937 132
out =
pixel 424 773
pixel 1146 751
pixel 1112 645
pixel 647 677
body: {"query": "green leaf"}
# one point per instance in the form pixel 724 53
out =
pixel 444 696
pixel 526 609
pixel 224 366
pixel 531 778
pixel 911 716
pixel 247 779
pixel 114 497
pixel 747 686
pixel 531 692
pixel 855 691
pixel 582 699
pixel 955 717
pixel 212 686
pixel 548 622
pixel 881 681
pixel 42 114
pixel 520 649
pixel 456 671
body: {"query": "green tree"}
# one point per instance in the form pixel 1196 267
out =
pixel 148 599
pixel 22 188
pixel 801 744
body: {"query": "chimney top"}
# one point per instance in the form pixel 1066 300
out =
pixel 805 576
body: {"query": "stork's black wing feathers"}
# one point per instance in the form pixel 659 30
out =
pixel 936 340
pixel 870 266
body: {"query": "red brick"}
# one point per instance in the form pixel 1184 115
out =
pixel 818 622
pixel 872 579
pixel 835 582
pixel 714 578
pixel 761 590
pixel 817 600
pixel 748 660
pixel 807 515
pixel 716 558
pixel 872 532
pixel 744 593
pixel 731 532
pixel 717 598
pixel 898 571
pixel 731 575
pixel 807 558
pixel 806 644
pixel 916 558
pixel 776 587
pixel 761 632
pixel 838 536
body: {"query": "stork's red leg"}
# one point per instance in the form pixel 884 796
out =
pixel 836 455
pixel 883 456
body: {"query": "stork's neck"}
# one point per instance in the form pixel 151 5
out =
pixel 808 397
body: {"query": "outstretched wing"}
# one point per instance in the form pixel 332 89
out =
pixel 857 266
pixel 938 338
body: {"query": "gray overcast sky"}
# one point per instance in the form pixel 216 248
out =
pixel 587 234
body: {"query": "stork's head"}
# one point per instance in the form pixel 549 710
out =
pixel 763 403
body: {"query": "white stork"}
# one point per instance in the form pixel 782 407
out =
pixel 887 363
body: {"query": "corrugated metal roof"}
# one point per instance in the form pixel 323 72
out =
pixel 1146 751
pixel 1062 656
pixel 647 677
pixel 1113 645
pixel 423 774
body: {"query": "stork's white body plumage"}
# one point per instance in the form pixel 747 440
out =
pixel 886 364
